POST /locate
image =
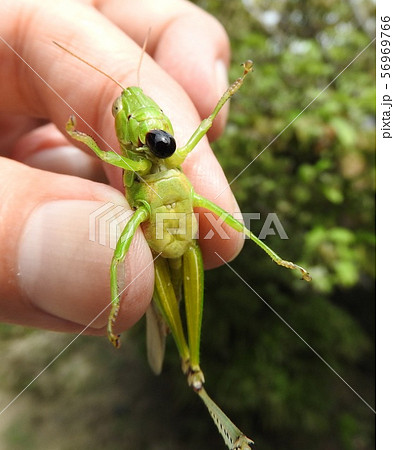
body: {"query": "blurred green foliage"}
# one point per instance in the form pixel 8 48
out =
pixel 314 132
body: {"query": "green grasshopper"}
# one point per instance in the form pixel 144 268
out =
pixel 155 184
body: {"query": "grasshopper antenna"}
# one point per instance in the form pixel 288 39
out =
pixel 89 64
pixel 142 55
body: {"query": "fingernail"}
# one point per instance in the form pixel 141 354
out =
pixel 63 270
pixel 67 160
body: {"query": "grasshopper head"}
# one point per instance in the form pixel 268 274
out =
pixel 141 123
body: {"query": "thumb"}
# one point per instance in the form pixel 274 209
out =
pixel 51 274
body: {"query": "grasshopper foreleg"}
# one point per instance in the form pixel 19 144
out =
pixel 180 155
pixel 110 157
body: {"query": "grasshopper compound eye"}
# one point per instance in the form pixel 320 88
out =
pixel 117 106
pixel 160 143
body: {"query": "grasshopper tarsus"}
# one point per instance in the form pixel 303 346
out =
pixel 306 276
pixel 248 66
pixel 115 340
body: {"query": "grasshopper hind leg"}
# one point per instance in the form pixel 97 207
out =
pixel 166 303
pixel 193 287
pixel 232 435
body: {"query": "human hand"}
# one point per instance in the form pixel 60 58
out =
pixel 51 275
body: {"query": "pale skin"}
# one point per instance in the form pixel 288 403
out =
pixel 42 283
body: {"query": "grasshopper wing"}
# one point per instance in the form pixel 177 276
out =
pixel 156 333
